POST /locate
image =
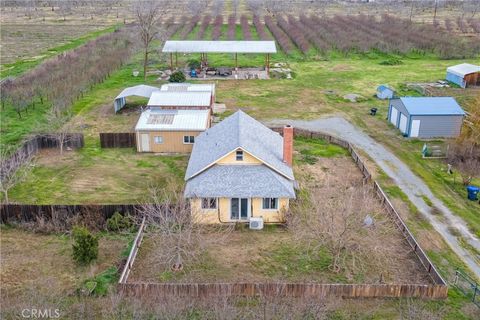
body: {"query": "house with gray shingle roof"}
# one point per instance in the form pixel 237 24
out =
pixel 240 169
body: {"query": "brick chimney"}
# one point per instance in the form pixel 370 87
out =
pixel 288 144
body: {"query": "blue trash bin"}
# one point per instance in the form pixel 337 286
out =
pixel 193 73
pixel 473 192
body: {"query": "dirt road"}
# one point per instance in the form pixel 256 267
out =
pixel 408 182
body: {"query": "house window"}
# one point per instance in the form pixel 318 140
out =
pixel 239 155
pixel 209 203
pixel 270 203
pixel 158 139
pixel 188 139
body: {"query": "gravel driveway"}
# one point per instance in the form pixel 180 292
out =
pixel 408 182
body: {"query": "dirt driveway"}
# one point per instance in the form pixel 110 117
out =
pixel 408 182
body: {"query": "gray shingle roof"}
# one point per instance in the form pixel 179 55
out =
pixel 238 131
pixel 237 181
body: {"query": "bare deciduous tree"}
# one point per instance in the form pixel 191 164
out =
pixel 147 14
pixel 58 125
pixel 181 239
pixel 465 157
pixel 337 224
pixel 14 168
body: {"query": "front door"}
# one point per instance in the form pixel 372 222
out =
pixel 239 209
pixel 403 123
pixel 415 130
pixel 145 141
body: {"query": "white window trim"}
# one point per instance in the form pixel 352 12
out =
pixel 206 209
pixel 188 139
pixel 154 140
pixel 236 155
pixel 276 209
pixel 249 210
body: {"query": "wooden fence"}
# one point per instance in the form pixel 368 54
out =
pixel 133 253
pixel 300 290
pixel 36 143
pixel 427 264
pixel 118 140
pixel 437 290
pixel 10 213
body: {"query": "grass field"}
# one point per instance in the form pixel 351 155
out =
pixel 95 175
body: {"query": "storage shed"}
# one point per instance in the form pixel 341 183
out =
pixel 464 75
pixel 170 131
pixel 384 92
pixel 139 91
pixel 422 117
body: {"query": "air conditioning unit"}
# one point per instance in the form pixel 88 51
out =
pixel 256 223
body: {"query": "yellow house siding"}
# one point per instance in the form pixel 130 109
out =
pixel 231 159
pixel 172 141
pixel 222 213
pixel 270 215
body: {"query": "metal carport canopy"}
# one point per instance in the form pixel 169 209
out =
pixel 172 46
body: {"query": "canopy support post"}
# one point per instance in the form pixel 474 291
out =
pixel 176 59
pixel 268 63
pixel 236 62
pixel 171 61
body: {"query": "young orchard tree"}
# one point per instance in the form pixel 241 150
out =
pixel 59 119
pixel 174 226
pixel 14 168
pixel 147 14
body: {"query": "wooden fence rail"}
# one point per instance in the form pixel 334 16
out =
pixel 133 253
pixel 299 290
pixel 438 290
pixel 118 140
pixel 17 213
pixel 31 146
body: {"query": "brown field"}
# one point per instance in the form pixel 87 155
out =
pixel 44 262
pixel 281 254
pixel 30 41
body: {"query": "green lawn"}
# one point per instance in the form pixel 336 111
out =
pixel 95 175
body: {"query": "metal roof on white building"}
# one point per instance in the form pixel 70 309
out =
pixel 182 87
pixel 141 90
pixel 220 46
pixel 155 119
pixel 180 99
pixel 463 69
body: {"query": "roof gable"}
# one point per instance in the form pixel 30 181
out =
pixel 238 131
